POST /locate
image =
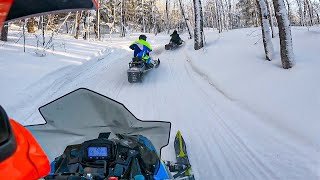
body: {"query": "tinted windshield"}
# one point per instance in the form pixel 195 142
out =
pixel 82 114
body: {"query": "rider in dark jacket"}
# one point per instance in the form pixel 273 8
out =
pixel 175 38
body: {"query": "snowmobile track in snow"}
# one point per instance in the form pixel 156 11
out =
pixel 227 130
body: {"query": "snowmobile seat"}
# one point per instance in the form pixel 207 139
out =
pixel 136 59
pixel 136 62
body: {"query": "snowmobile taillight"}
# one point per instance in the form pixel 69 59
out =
pixel 113 178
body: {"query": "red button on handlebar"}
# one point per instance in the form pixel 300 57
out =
pixel 113 178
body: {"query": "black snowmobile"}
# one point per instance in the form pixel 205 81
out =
pixel 175 41
pixel 90 136
pixel 172 46
pixel 137 68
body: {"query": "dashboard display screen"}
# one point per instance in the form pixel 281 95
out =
pixel 97 151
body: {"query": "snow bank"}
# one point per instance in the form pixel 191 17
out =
pixel 21 71
pixel 286 100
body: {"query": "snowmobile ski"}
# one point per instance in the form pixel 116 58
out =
pixel 158 63
pixel 182 158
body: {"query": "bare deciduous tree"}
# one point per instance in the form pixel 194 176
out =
pixel 167 16
pixel 266 36
pixel 185 19
pixel 77 24
pixel 286 49
pixel 123 29
pixel 198 21
pixel 4 32
pixel 97 25
pixel 270 19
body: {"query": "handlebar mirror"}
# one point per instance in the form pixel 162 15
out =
pixel 8 143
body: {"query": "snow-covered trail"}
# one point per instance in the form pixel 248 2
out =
pixel 225 140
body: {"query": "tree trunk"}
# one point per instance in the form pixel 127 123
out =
pixel 225 25
pixel 24 34
pixel 286 49
pixel 212 17
pixel 167 16
pixel 65 20
pixel 114 17
pixel 218 15
pixel 78 19
pixel 123 29
pixel 305 12
pixel 289 11
pixel 4 32
pixel 97 27
pixel 154 19
pixel 318 17
pixel 198 21
pixel 266 37
pixel 230 25
pixel 67 28
pixel 185 19
pixel 143 18
pixel 270 20
pixel 85 25
pixel 43 29
pixel 310 12
pixel 39 23
pixel 301 13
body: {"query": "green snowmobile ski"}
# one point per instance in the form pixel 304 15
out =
pixel 182 167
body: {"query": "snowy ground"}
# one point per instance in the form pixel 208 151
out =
pixel 242 117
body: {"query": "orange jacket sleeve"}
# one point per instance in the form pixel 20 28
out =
pixel 29 160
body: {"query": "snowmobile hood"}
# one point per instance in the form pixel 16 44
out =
pixel 27 8
pixel 82 114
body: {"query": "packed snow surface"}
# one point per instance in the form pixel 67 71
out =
pixel 241 116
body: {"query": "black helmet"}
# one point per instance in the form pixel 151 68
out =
pixel 142 36
pixel 175 32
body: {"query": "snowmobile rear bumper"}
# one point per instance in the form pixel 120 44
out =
pixel 172 46
pixel 137 69
pixel 134 75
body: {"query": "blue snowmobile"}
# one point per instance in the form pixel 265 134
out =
pixel 141 62
pixel 90 136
